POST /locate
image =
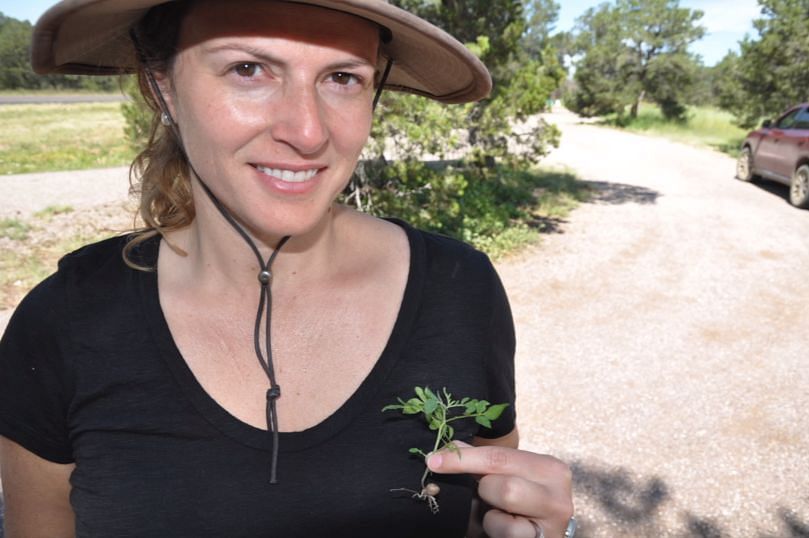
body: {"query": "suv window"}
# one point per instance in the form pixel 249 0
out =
pixel 788 121
pixel 802 119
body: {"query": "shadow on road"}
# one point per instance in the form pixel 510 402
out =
pixel 632 504
pixel 776 189
pixel 604 192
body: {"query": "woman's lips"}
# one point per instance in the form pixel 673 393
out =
pixel 290 176
pixel 289 180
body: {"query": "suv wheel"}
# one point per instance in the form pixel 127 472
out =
pixel 799 187
pixel 744 165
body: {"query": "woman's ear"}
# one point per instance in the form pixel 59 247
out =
pixel 163 92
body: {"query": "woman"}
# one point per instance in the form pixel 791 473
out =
pixel 140 391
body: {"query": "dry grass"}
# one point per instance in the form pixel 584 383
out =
pixel 31 253
pixel 51 137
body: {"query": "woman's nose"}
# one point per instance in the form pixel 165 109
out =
pixel 299 120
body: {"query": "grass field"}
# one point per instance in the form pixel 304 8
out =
pixel 49 137
pixel 704 126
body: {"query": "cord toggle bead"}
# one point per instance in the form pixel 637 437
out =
pixel 264 277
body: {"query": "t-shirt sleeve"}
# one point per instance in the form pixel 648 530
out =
pixel 499 361
pixel 33 394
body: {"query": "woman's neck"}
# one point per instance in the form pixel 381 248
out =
pixel 217 258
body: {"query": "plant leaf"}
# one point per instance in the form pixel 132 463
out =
pixel 481 406
pixel 413 406
pixel 483 421
pixel 494 412
pixel 429 393
pixel 391 407
pixel 452 447
pixel 430 406
pixel 420 393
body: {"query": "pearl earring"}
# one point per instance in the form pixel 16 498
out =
pixel 165 119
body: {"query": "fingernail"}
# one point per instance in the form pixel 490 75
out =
pixel 434 461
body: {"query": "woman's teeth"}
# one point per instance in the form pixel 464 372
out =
pixel 288 175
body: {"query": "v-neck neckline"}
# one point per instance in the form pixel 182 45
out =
pixel 258 438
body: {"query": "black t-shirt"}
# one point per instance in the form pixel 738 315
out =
pixel 89 374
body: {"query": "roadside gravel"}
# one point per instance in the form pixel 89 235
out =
pixel 662 343
pixel 661 337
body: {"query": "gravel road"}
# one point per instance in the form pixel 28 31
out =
pixel 661 337
pixel 662 343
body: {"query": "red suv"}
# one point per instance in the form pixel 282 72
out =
pixel 780 151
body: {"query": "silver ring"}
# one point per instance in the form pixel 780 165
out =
pixel 570 531
pixel 537 529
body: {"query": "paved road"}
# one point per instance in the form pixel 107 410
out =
pixel 24 194
pixel 663 343
pixel 20 99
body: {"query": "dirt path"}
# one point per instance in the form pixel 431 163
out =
pixel 24 194
pixel 663 343
pixel 662 339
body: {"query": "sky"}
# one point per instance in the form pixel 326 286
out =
pixel 726 21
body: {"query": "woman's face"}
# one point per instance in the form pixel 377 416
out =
pixel 273 101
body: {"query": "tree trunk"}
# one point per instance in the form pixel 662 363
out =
pixel 633 112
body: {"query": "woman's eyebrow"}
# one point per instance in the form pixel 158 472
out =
pixel 240 47
pixel 353 63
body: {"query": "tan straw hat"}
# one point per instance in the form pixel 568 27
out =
pixel 91 37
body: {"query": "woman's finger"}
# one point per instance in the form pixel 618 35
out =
pixel 498 524
pixel 516 495
pixel 485 460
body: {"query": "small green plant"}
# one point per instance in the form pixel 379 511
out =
pixel 439 411
pixel 14 229
pixel 53 210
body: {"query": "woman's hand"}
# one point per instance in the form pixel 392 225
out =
pixel 526 491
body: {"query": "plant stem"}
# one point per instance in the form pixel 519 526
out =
pixel 436 446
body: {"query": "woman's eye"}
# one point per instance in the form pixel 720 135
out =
pixel 246 69
pixel 344 79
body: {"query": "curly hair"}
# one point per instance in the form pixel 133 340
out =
pixel 160 172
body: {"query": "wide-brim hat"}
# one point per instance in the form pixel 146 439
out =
pixel 91 37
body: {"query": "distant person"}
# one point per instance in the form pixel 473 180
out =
pixel 222 371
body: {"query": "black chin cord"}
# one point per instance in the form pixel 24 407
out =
pixel 264 275
pixel 264 311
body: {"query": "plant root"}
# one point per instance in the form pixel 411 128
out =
pixel 422 495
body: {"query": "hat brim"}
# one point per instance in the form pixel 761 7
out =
pixel 91 37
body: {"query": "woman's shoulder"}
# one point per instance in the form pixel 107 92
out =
pixel 446 254
pixel 435 254
pixel 105 258
pixel 93 255
pixel 85 267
